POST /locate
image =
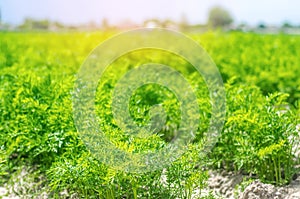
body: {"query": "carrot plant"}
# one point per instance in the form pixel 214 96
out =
pixel 256 136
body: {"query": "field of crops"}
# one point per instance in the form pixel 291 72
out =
pixel 37 131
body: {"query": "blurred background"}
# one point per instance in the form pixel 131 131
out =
pixel 185 15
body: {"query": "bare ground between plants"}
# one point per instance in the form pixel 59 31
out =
pixel 221 184
pixel 229 185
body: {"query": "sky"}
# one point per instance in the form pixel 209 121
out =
pixel 74 12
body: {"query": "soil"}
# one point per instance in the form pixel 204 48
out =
pixel 230 186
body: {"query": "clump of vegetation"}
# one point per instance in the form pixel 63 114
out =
pixel 256 136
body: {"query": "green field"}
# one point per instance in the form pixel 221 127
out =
pixel 37 73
